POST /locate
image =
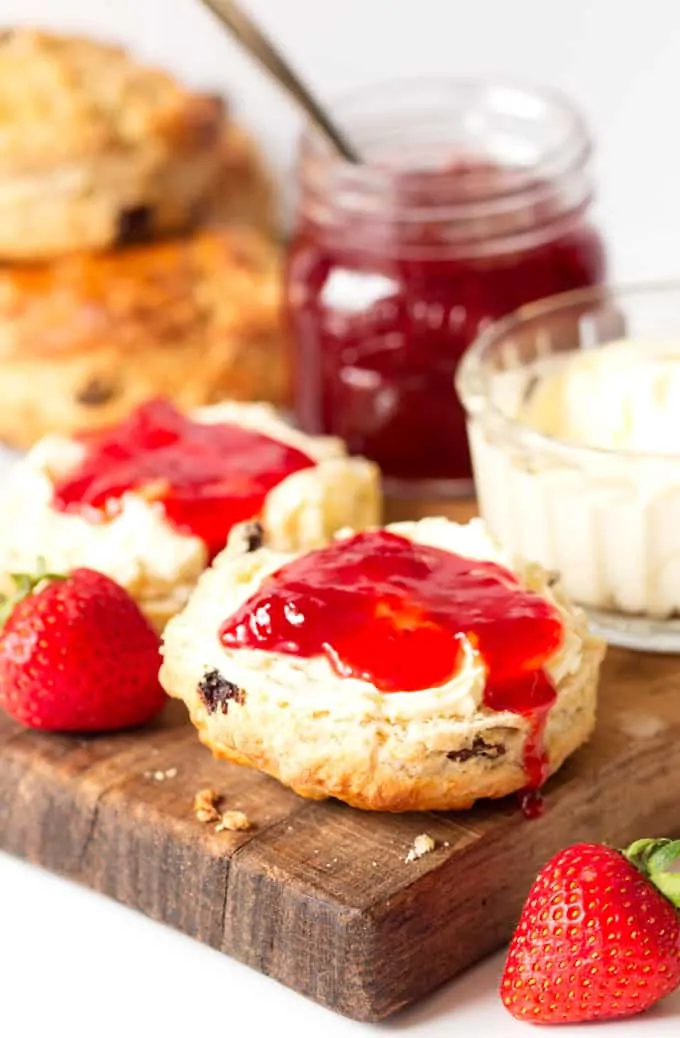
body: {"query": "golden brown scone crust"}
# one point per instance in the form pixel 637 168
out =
pixel 244 193
pixel 64 98
pixel 457 785
pixel 87 338
pixel 95 146
pixel 328 737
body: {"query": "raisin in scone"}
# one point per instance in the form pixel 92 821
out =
pixel 95 147
pixel 151 500
pixel 400 669
pixel 86 339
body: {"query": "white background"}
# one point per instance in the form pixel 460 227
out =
pixel 74 964
pixel 620 59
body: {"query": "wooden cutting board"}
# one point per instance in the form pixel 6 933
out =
pixel 317 895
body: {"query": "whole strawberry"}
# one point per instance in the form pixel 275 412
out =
pixel 597 938
pixel 77 655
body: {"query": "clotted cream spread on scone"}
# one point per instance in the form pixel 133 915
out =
pixel 408 668
pixel 153 499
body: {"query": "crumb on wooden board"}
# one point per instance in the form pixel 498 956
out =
pixel 160 775
pixel 207 809
pixel 233 822
pixel 206 806
pixel 422 845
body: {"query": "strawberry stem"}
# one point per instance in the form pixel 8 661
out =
pixel 26 584
pixel 659 861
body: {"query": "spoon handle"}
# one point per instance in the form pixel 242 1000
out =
pixel 256 43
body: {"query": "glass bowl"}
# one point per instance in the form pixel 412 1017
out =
pixel 607 520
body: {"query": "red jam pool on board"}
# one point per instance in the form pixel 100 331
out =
pixel 206 476
pixel 392 612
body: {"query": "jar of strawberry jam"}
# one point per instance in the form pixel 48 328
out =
pixel 472 199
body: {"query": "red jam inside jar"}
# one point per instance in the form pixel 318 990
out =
pixel 395 266
pixel 206 476
pixel 384 609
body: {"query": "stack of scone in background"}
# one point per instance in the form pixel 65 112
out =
pixel 138 252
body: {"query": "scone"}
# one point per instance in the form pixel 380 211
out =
pixel 152 500
pixel 244 193
pixel 85 340
pixel 95 146
pixel 397 670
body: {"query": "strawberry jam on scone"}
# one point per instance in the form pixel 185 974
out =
pixel 153 499
pixel 205 476
pixel 384 609
pixel 396 669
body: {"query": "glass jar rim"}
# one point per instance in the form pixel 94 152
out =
pixel 497 163
pixel 472 383
pixel 571 154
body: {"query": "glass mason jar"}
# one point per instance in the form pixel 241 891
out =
pixel 474 199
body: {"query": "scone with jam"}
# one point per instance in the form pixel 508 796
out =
pixel 396 669
pixel 153 499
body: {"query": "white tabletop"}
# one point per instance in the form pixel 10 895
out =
pixel 75 964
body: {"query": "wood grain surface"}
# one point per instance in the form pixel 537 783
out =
pixel 317 895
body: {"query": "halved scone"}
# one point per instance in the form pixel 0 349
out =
pixel 151 500
pixel 399 669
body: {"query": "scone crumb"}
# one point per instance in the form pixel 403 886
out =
pixel 161 776
pixel 205 806
pixel 233 822
pixel 422 845
pixel 640 725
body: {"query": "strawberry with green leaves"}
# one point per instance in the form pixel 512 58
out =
pixel 77 655
pixel 599 936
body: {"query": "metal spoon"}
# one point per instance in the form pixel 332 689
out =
pixel 256 43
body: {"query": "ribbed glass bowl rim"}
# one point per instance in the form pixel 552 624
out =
pixel 472 381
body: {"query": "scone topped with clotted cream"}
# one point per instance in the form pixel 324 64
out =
pixel 397 669
pixel 152 499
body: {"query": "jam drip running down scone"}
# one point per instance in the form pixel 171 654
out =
pixel 399 669
pixel 153 499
